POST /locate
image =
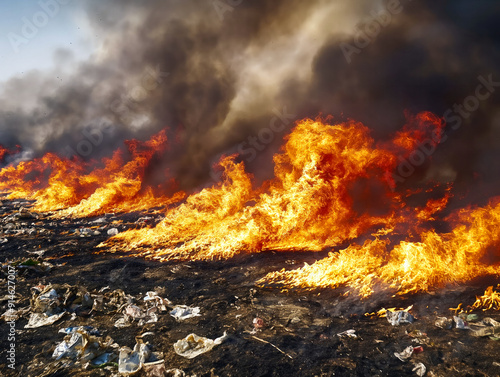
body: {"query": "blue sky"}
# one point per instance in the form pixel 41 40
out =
pixel 63 26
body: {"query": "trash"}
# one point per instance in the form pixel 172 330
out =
pixel 132 361
pixel 152 299
pixel 348 333
pixel 194 345
pixel 487 327
pixel 405 354
pixel 41 319
pixel 112 232
pixel 104 360
pixel 444 323
pixel 155 369
pixel 69 347
pixel 133 312
pixel 460 323
pixel 418 349
pixel 472 318
pixel 419 369
pixel 399 317
pixel 14 314
pixel 89 329
pixel 258 323
pixel 182 312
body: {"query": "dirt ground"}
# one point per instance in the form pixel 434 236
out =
pixel 299 329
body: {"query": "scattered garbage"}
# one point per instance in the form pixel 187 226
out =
pixel 134 313
pixel 182 312
pixel 405 354
pixel 153 300
pixel 398 317
pixel 487 327
pixel 106 359
pixel 41 319
pixel 418 349
pixel 82 346
pixel 419 369
pixel 460 323
pixel 258 323
pixel 472 317
pixel 132 361
pixel 444 323
pixel 89 329
pixel 112 232
pixel 348 334
pixel 194 345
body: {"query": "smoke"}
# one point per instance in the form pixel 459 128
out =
pixel 215 73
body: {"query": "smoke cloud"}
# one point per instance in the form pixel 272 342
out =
pixel 215 73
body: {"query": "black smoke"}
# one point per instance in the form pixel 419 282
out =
pixel 222 68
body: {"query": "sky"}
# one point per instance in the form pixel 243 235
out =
pixel 62 28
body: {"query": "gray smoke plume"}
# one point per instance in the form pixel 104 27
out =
pixel 216 73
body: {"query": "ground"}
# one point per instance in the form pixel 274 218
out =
pixel 300 327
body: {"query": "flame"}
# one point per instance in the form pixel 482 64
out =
pixel 409 267
pixel 321 171
pixel 490 300
pixel 333 184
pixel 77 189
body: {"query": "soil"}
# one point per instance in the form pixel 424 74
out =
pixel 299 328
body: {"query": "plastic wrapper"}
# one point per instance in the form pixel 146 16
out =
pixel 182 312
pixel 399 317
pixel 194 345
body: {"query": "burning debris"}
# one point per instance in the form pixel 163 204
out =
pixel 308 207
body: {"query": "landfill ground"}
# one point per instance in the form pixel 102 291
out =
pixel 295 333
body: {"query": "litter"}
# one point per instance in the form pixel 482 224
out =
pixel 112 232
pixel 419 369
pixel 182 312
pixel 132 361
pixel 152 299
pixel 460 323
pixel 155 369
pixel 258 323
pixel 444 323
pixel 405 354
pixel 399 317
pixel 104 360
pixel 418 349
pixel 41 319
pixel 194 345
pixel 487 327
pixel 472 317
pixel 89 329
pixel 133 312
pixel 348 333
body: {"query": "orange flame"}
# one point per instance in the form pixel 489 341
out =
pixel 308 206
pixel 65 184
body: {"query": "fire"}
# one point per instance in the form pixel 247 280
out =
pixel 322 170
pixel 409 267
pixel 333 184
pixel 490 300
pixel 77 189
